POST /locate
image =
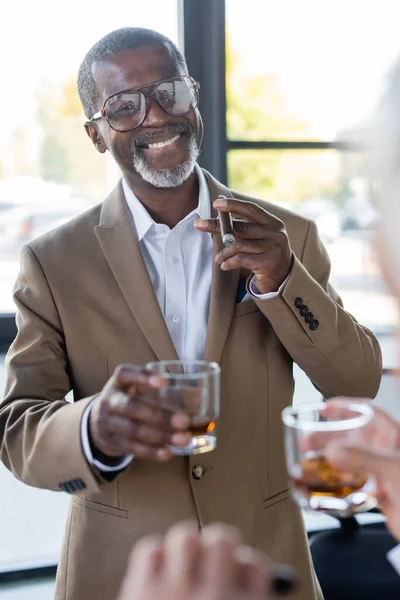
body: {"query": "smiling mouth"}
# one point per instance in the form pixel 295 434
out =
pixel 162 144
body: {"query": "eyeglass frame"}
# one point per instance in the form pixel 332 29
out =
pixel 103 113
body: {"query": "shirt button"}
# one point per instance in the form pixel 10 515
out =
pixel 197 472
pixel 173 260
pixel 175 319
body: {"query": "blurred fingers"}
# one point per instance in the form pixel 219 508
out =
pixel 253 574
pixel 339 408
pixel 128 431
pixel 219 565
pixel 128 377
pixel 144 567
pixel 182 554
pixel 139 410
pixel 382 463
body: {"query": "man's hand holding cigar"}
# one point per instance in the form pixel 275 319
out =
pixel 260 242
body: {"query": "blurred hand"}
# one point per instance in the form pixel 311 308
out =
pixel 377 455
pixel 382 432
pixel 189 566
pixel 261 246
pixel 124 421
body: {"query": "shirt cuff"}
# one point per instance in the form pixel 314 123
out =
pixel 87 450
pixel 393 557
pixel 256 292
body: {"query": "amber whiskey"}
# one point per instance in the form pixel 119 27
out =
pixel 201 425
pixel 317 477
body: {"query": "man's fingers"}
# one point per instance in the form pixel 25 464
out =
pixel 137 409
pixel 242 260
pixel 147 453
pixel 247 210
pixel 243 229
pixel 254 247
pixel 210 225
pixel 128 376
pixel 133 431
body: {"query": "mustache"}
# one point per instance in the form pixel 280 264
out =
pixel 146 137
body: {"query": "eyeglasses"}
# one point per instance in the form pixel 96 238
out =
pixel 127 110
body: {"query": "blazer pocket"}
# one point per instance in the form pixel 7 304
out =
pixel 244 308
pixel 98 507
pixel 277 498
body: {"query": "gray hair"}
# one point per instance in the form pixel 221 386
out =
pixel 111 45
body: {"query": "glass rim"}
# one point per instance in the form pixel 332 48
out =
pixel 367 412
pixel 213 368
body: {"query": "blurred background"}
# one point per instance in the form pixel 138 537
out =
pixel 286 92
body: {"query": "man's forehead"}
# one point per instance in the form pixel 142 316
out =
pixel 133 67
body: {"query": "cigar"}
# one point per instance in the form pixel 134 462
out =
pixel 283 580
pixel 225 222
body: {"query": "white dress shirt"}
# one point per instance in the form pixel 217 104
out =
pixel 179 263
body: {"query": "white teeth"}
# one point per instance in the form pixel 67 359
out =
pixel 166 143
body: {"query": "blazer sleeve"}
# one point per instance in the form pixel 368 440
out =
pixel 340 356
pixel 39 429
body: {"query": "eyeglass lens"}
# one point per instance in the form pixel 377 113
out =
pixel 126 110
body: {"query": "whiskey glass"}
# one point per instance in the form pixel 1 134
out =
pixel 317 484
pixel 191 386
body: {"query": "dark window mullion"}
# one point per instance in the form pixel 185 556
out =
pixel 293 145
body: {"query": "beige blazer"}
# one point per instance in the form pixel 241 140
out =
pixel 86 304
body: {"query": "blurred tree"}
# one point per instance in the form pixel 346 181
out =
pixel 21 158
pixel 53 160
pixel 70 105
pixel 67 154
pixel 257 110
pixel 87 168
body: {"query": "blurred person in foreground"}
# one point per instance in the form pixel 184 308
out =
pixel 380 456
pixel 188 566
pixel 142 277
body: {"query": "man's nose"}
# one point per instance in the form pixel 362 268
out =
pixel 156 116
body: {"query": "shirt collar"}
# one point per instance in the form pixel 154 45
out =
pixel 143 221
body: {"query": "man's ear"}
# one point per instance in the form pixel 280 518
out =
pixel 96 137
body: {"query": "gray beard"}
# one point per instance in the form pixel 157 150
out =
pixel 167 178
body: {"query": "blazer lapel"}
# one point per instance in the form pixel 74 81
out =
pixel 117 237
pixel 223 288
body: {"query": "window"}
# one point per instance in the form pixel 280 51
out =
pixel 302 79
